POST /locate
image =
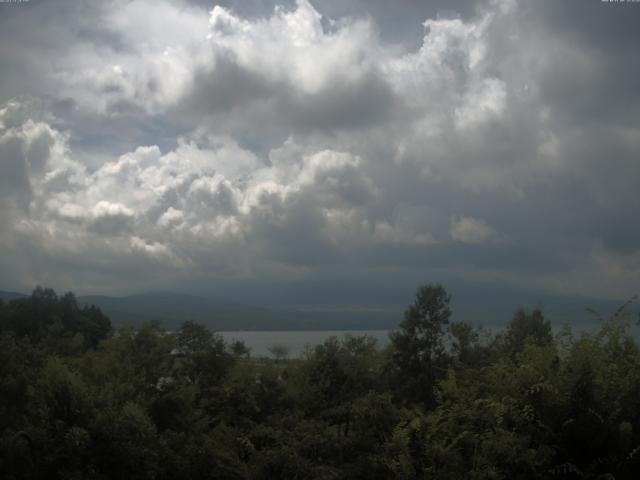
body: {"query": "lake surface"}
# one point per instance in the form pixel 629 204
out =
pixel 297 341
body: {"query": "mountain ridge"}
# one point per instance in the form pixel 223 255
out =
pixel 487 308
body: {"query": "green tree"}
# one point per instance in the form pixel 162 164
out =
pixel 193 336
pixel 464 342
pixel 239 349
pixel 56 322
pixel 127 443
pixel 527 327
pixel 418 346
pixel 280 352
pixel 207 360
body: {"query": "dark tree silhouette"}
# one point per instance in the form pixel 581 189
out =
pixel 418 343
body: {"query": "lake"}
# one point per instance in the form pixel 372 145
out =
pixel 296 341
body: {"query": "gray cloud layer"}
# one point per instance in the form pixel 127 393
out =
pixel 237 145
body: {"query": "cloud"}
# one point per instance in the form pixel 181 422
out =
pixel 387 233
pixel 249 140
pixel 207 191
pixel 472 230
pixel 289 72
pixel 111 218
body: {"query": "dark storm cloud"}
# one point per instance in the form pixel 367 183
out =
pixel 36 35
pixel 591 66
pixel 232 91
pixel 344 105
pixel 229 88
pixel 299 239
pixel 224 87
pixel 116 222
pixel 612 27
pixel 589 86
pixel 14 177
pixel 323 144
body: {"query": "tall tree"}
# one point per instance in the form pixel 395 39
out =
pixel 418 344
pixel 527 327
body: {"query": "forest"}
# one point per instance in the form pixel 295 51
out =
pixel 444 400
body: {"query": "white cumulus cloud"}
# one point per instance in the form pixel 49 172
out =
pixel 472 230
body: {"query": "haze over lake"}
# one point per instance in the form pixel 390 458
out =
pixel 297 341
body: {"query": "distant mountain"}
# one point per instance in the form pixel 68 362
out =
pixel 8 296
pixel 495 307
pixel 491 308
pixel 172 309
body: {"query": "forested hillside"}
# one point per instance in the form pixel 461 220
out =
pixel 444 400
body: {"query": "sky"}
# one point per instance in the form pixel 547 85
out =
pixel 324 151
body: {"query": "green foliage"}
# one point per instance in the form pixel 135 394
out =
pixel 127 442
pixel 57 323
pixel 418 344
pixel 524 327
pixel 193 336
pixel 239 349
pixel 465 343
pixel 279 351
pixel 77 401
